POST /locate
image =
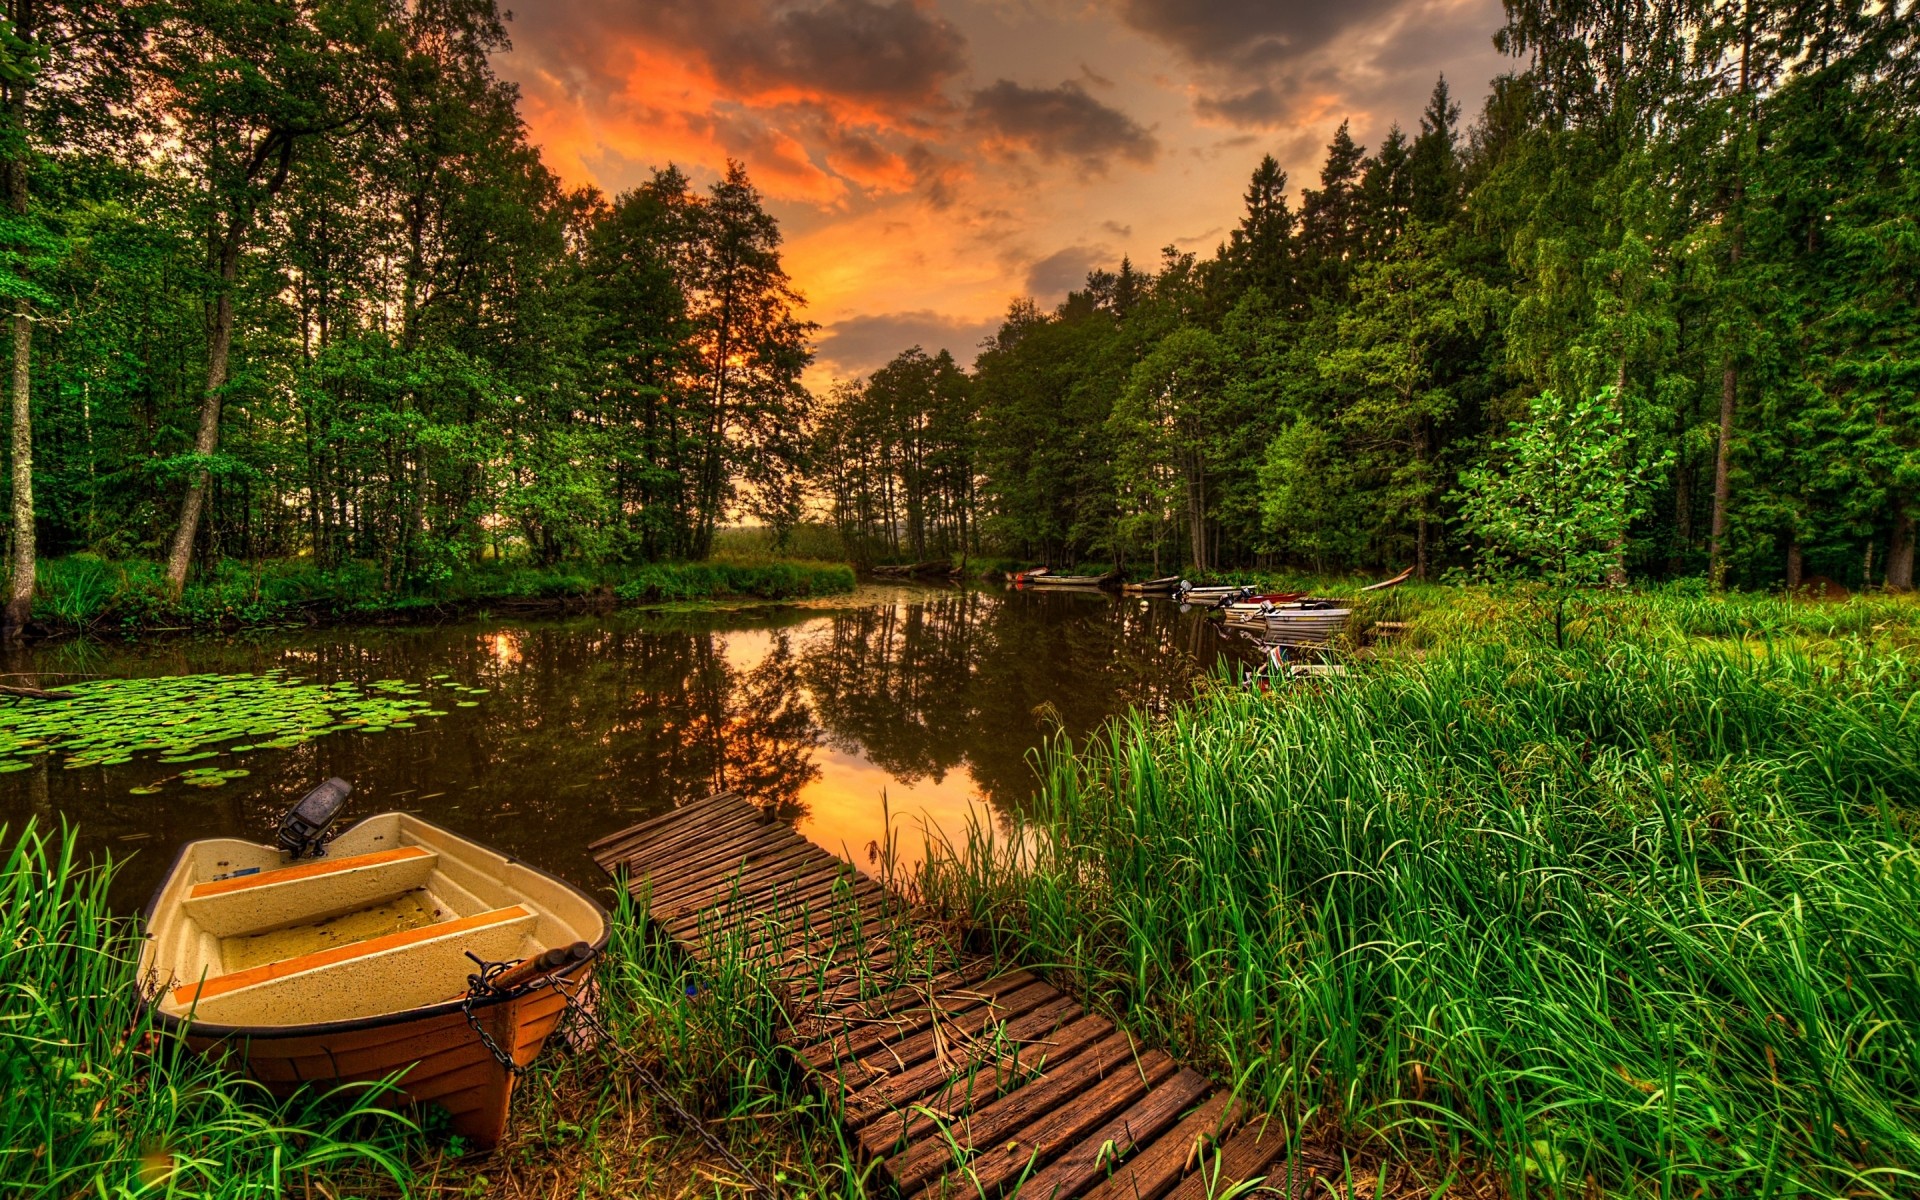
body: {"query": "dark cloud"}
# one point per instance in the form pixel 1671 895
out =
pixel 860 345
pixel 1265 63
pixel 1251 35
pixel 852 48
pixel 1052 277
pixel 1061 122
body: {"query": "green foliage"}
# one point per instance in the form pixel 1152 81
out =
pixel 1558 508
pixel 1604 919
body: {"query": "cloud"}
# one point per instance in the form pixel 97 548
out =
pixel 1061 122
pixel 823 99
pixel 853 48
pixel 859 345
pixel 1058 273
pixel 1277 63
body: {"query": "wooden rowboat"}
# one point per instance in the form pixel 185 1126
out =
pixel 353 966
pixel 1152 586
pixel 1033 580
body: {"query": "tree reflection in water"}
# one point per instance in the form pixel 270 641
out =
pixel 592 723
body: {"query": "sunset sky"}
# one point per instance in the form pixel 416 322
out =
pixel 931 160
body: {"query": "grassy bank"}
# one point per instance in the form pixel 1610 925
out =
pixel 1640 917
pixel 86 593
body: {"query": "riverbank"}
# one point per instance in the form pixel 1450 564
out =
pixel 86 594
pixel 1634 916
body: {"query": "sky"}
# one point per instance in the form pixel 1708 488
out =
pixel 932 160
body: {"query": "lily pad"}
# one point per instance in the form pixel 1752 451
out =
pixel 190 718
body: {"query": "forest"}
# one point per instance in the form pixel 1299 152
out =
pixel 289 282
pixel 1705 213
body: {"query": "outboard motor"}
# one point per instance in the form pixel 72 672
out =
pixel 304 829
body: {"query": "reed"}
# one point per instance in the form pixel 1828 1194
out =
pixel 94 1100
pixel 1640 917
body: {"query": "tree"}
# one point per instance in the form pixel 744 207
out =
pixel 750 350
pixel 247 83
pixel 1552 512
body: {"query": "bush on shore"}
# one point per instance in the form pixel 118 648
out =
pixel 86 592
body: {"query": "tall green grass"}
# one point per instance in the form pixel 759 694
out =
pixel 95 1101
pixel 1642 917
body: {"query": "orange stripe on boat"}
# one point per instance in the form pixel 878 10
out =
pixel 322 866
pixel 188 993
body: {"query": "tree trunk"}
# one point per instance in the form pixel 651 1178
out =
pixel 19 610
pixel 207 439
pixel 1795 565
pixel 1722 462
pixel 1617 568
pixel 20 596
pixel 1900 554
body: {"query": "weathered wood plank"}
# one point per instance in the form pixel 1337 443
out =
pixel 1100 1152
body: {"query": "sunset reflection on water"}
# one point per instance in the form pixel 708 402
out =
pixel 934 700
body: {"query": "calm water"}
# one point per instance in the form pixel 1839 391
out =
pixel 932 698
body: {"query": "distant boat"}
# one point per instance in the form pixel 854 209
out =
pixel 354 965
pixel 938 567
pixel 1210 597
pixel 1151 587
pixel 1297 626
pixel 1029 573
pixel 1050 580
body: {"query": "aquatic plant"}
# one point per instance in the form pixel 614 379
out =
pixel 188 718
pixel 1637 917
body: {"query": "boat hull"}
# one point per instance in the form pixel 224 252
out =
pixel 435 1054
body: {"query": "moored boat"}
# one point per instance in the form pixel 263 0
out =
pixel 1152 587
pixel 347 959
pixel 1049 579
pixel 1210 597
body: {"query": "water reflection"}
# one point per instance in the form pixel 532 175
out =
pixel 591 723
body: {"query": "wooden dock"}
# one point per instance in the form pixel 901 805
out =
pixel 961 1081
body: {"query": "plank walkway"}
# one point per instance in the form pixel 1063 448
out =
pixel 961 1082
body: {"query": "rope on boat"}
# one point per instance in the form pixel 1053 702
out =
pixel 487 986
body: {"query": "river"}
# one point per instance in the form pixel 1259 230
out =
pixel 932 698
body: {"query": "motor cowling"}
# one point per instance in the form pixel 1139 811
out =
pixel 304 828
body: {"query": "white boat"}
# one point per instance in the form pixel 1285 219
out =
pixel 349 959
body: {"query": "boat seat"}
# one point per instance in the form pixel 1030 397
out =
pixel 307 891
pixel 361 979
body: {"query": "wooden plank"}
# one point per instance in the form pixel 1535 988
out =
pixel 836 1019
pixel 706 867
pixel 1100 1152
pixel 933 1039
pixel 929 1156
pixel 1245 1154
pixel 624 843
pixel 887 1120
pixel 909 1016
pixel 700 855
pixel 746 873
pixel 684 844
pixel 1044 1138
pixel 1155 1169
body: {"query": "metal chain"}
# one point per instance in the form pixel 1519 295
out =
pixel 481 987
